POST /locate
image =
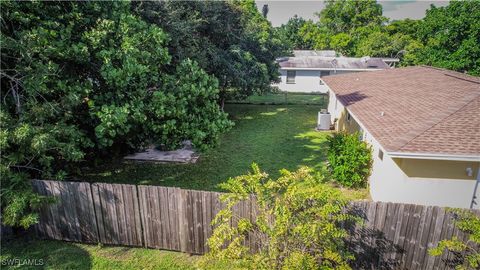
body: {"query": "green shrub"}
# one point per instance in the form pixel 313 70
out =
pixel 349 159
pixel 82 81
pixel 470 257
pixel 296 226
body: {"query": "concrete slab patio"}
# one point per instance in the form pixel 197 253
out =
pixel 186 154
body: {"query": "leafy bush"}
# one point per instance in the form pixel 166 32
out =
pixel 297 224
pixel 470 257
pixel 83 80
pixel 349 159
pixel 186 108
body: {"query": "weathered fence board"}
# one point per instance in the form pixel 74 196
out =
pixel 177 219
pixel 118 214
pixel 398 236
pixel 72 218
pixel 393 236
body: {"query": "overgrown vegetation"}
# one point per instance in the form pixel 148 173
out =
pixel 297 224
pixel 85 81
pixel 273 136
pixel 261 132
pixel 349 159
pixel 229 39
pixel 469 223
pixel 447 37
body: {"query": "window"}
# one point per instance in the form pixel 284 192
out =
pixel 322 74
pixel 291 76
pixel 380 154
pixel 348 117
pixel 360 134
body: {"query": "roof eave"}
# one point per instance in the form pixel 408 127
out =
pixel 412 155
pixel 339 69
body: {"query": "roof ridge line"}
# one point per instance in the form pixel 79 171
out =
pixel 463 79
pixel 454 74
pixel 468 103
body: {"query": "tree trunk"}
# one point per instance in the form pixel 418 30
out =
pixel 222 96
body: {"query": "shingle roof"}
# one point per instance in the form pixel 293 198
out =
pixel 312 62
pixel 425 110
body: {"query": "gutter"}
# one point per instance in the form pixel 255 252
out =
pixel 336 69
pixel 434 156
pixel 474 204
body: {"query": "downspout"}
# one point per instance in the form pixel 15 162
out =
pixel 474 196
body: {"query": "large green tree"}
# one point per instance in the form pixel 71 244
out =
pixel 314 36
pixel 291 35
pixel 343 25
pixel 230 40
pixel 340 16
pixel 451 37
pixel 85 79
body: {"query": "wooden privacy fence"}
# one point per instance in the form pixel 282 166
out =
pixel 394 236
pixel 150 216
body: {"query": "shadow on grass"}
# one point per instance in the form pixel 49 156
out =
pixel 34 254
pixel 274 137
pixel 315 147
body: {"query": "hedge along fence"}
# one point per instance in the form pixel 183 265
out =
pixel 392 236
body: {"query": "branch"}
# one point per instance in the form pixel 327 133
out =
pixel 26 167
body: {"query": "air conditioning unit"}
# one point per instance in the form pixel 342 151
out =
pixel 324 120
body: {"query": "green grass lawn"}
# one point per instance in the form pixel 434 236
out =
pixel 275 137
pixel 63 255
pixel 285 99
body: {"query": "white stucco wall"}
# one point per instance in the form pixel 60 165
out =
pixel 306 81
pixel 389 183
pixel 335 108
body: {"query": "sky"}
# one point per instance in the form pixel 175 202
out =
pixel 281 10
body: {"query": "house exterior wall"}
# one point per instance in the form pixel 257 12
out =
pixel 348 125
pixel 335 108
pixel 406 180
pixel 419 181
pixel 339 116
pixel 306 81
pixel 441 169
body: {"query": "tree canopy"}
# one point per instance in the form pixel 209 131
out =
pixel 291 35
pixel 340 16
pixel 447 37
pixel 85 80
pixel 229 40
pixel 451 37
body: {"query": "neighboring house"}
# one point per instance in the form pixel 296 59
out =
pixel 303 73
pixel 423 124
pixel 324 53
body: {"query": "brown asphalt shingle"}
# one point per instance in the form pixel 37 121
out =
pixel 426 110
